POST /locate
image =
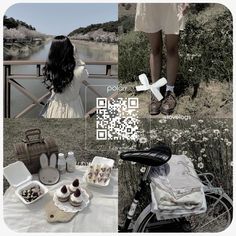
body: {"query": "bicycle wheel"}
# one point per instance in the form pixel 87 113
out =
pixel 151 224
pixel 217 217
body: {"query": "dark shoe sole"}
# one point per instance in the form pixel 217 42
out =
pixel 154 113
pixel 169 112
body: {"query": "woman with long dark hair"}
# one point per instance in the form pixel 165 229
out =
pixel 64 78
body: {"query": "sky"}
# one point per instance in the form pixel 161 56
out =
pixel 62 18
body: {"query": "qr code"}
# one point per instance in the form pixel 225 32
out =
pixel 117 119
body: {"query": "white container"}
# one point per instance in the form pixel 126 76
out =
pixel 99 161
pixel 61 164
pixel 19 177
pixel 70 162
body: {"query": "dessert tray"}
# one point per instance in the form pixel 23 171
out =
pixel 27 190
pixel 99 171
pixel 67 207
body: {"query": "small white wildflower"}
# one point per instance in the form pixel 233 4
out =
pixel 192 139
pixel 228 144
pixel 204 139
pixel 216 131
pixel 184 152
pixel 143 140
pixel 200 121
pixel 226 130
pixel 133 163
pixel 120 162
pixel 200 165
pixel 175 138
pixel 204 155
pixel 142 169
pixel 187 131
pixel 162 121
pixel 199 159
pixel 202 150
pixel 159 139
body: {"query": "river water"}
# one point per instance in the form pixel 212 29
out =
pixel 88 51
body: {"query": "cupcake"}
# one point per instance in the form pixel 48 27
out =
pixel 63 194
pixel 76 198
pixel 74 186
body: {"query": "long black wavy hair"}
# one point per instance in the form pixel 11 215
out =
pixel 59 68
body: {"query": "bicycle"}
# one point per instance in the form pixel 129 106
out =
pixel 217 217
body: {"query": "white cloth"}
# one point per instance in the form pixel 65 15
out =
pixel 68 104
pixel 153 17
pixel 176 189
pixel 170 212
pixel 178 176
pixel 101 215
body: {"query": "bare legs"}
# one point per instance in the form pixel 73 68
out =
pixel 155 40
pixel 171 42
pixel 172 54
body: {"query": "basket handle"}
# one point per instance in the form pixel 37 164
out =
pixel 33 136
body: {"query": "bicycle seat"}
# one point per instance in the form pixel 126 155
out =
pixel 155 156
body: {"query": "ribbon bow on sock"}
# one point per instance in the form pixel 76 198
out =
pixel 155 87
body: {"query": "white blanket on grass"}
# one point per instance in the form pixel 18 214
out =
pixel 101 215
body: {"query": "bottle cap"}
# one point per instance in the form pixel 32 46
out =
pixel 70 154
pixel 61 155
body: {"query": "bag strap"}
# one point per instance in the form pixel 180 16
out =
pixel 33 136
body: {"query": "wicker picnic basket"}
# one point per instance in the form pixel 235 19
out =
pixel 30 149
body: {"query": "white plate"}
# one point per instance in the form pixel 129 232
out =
pixel 29 185
pixel 67 207
pixel 99 161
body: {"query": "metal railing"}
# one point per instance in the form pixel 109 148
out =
pixel 11 79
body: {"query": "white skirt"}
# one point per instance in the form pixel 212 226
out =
pixel 60 109
pixel 153 17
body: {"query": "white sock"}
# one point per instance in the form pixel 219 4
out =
pixel 170 88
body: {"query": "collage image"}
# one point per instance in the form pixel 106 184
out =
pixel 118 117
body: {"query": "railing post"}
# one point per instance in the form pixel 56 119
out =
pixel 38 70
pixel 7 92
pixel 108 70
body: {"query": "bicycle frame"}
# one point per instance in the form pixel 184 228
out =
pixel 136 199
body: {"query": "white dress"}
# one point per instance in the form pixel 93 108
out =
pixel 153 17
pixel 68 104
